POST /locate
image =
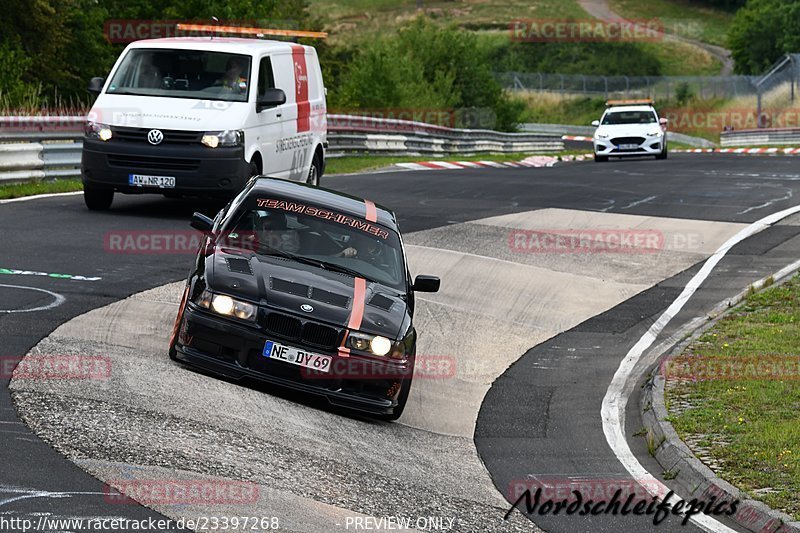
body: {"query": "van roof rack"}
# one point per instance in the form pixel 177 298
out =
pixel 638 101
pixel 251 32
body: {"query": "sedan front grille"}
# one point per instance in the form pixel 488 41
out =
pixel 627 140
pixel 307 333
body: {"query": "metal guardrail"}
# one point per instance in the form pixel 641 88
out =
pixel 761 137
pixel 588 131
pixel 50 147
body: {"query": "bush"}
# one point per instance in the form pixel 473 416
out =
pixel 424 66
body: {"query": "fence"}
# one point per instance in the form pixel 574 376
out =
pixel 49 147
pixel 655 87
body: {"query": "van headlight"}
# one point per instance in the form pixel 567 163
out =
pixel 655 133
pixel 212 139
pixel 602 136
pixel 95 130
pixel 227 306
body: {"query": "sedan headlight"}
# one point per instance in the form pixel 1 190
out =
pixel 602 136
pixel 227 306
pixel 655 133
pixel 212 139
pixel 375 345
pixel 95 130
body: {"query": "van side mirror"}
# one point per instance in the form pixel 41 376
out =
pixel 595 123
pixel 663 121
pixel 96 85
pixel 270 98
pixel 426 284
pixel 201 222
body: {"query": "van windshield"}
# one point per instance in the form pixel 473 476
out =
pixel 183 74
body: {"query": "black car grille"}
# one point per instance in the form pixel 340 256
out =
pixel 170 136
pixel 627 140
pixel 284 325
pixel 308 333
pixel 155 163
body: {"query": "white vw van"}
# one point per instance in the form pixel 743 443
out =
pixel 200 115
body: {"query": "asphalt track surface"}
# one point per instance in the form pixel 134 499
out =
pixel 536 420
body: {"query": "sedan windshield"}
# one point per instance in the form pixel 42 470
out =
pixel 629 117
pixel 183 74
pixel 332 240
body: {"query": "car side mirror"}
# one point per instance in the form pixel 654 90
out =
pixel 426 284
pixel 270 98
pixel 663 121
pixel 96 85
pixel 595 123
pixel 201 222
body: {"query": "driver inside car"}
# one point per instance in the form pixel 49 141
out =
pixel 273 231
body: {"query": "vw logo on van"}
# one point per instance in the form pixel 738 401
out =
pixel 155 136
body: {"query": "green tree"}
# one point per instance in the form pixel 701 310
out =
pixel 762 31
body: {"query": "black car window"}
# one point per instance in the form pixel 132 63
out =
pixel 323 235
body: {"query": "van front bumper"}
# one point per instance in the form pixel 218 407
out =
pixel 197 169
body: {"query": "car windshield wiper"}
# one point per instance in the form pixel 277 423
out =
pixel 269 250
pixel 343 269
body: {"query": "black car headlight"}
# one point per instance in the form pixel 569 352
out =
pixel 226 306
pixel 375 345
pixel 212 139
pixel 95 130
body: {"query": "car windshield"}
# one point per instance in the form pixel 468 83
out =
pixel 183 74
pixel 629 117
pixel 334 240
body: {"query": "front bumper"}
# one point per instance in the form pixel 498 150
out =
pixel 235 351
pixel 197 169
pixel 649 146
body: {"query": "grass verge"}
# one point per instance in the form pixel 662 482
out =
pixel 736 397
pixel 684 18
pixel 18 190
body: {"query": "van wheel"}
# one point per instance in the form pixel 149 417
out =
pixel 313 172
pixel 97 199
pixel 255 170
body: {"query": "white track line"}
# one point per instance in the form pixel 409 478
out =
pixel 616 398
pixel 39 196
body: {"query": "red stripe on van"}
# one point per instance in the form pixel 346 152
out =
pixel 372 213
pixel 301 87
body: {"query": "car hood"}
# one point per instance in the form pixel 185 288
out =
pixel 286 285
pixel 167 113
pixel 627 130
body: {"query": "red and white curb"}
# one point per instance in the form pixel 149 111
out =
pixel 576 138
pixel 772 150
pixel 531 162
